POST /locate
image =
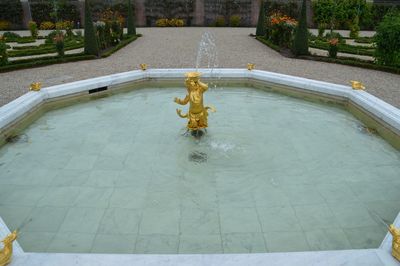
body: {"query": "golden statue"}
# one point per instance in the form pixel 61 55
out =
pixel 250 66
pixel 396 241
pixel 36 86
pixel 357 85
pixel 197 115
pixel 143 67
pixel 6 252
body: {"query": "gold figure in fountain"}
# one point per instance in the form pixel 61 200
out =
pixel 6 252
pixel 396 241
pixel 198 113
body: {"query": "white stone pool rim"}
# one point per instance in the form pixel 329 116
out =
pixel 15 110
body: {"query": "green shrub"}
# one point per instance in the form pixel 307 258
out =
pixel 321 29
pixel 335 35
pixel 234 21
pixel 220 21
pixel 91 45
pixel 345 48
pixel 387 40
pixel 131 20
pixel 59 44
pixel 364 40
pixel 300 42
pixel 26 39
pixel 3 53
pixel 33 28
pixel 333 48
pixel 281 29
pixel 11 35
pixel 51 35
pixel 261 23
pixel 354 28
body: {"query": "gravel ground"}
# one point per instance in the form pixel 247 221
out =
pixel 177 48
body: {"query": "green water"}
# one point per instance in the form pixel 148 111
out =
pixel 273 173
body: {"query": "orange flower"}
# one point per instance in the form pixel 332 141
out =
pixel 334 41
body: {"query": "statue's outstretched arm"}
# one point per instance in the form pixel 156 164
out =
pixel 182 102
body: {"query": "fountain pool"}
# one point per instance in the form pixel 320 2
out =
pixel 274 173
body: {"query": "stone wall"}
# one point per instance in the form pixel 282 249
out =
pixel 194 12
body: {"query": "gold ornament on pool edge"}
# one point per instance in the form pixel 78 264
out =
pixel 7 250
pixel 396 241
pixel 198 113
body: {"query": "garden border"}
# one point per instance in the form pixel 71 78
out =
pixel 340 60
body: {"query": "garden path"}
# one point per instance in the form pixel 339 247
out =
pixel 177 48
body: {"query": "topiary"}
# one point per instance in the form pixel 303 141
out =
pixel 91 46
pixel 355 28
pixel 387 40
pixel 260 31
pixel 300 42
pixel 33 28
pixel 321 29
pixel 3 52
pixel 59 43
pixel 131 20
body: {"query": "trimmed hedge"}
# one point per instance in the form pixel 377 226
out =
pixel 300 42
pixel 131 20
pixel 364 40
pixel 49 60
pixel 340 60
pixel 387 40
pixel 45 50
pixel 353 62
pixel 344 48
pixel 260 31
pixel 35 62
pixel 91 45
pixel 122 44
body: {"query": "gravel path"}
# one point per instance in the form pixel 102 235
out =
pixel 177 48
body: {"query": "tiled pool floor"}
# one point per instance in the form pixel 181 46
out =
pixel 273 173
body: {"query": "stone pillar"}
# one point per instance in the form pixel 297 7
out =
pixel 27 16
pixel 140 12
pixel 255 10
pixel 198 13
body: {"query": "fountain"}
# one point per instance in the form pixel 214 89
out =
pixel 101 164
pixel 198 113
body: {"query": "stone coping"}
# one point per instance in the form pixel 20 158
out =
pixel 389 115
